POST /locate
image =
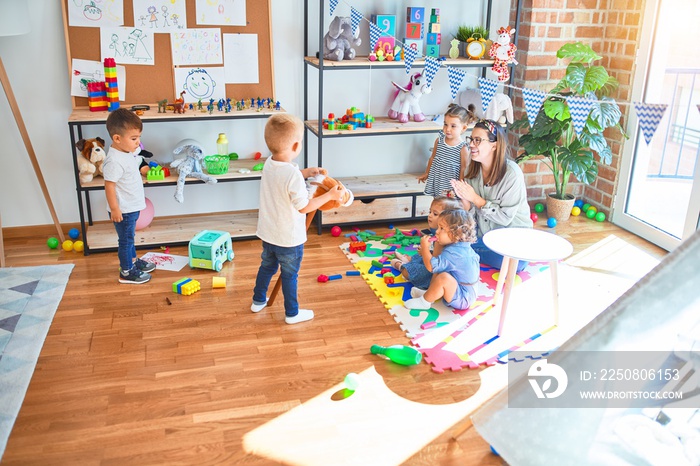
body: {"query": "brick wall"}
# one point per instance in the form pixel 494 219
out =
pixel 612 28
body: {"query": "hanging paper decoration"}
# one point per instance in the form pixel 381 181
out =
pixel 374 33
pixel 455 76
pixel 650 116
pixel 334 3
pixel 579 109
pixel 355 17
pixel 409 55
pixel 533 102
pixel 487 87
pixel 432 65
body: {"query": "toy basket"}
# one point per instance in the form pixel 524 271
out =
pixel 216 164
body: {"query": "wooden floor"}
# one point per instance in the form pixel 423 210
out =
pixel 123 373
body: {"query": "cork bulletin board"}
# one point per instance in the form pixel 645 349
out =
pixel 146 84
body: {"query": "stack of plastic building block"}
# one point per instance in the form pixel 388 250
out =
pixel 186 286
pixel 111 84
pixel 97 96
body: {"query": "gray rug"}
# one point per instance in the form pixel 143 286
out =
pixel 29 297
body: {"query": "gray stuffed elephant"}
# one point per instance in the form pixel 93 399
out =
pixel 339 41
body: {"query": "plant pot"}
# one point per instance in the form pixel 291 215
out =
pixel 463 49
pixel 558 208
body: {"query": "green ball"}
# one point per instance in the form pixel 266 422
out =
pixel 586 207
pixel 590 213
pixel 52 243
pixel 539 208
pixel 600 216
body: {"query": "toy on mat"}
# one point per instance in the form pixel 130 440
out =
pixel 400 354
pixel 339 42
pixel 324 278
pixel 90 159
pixel 325 183
pixel 406 100
pixel 210 249
pixel 189 166
pixel 503 53
pixel 186 286
pixel 357 246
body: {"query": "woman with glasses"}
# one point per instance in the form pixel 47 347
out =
pixel 493 188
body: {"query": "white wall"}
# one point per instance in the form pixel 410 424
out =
pixel 37 67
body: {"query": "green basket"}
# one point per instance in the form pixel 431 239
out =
pixel 216 164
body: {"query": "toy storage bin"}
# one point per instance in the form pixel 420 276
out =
pixel 216 164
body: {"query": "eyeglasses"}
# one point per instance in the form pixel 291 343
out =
pixel 476 141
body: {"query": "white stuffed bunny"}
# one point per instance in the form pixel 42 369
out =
pixel 189 166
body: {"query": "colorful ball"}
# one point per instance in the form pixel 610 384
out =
pixel 533 217
pixel 593 208
pixel 600 216
pixel 551 222
pixel 576 211
pixel 590 213
pixel 52 243
pixel 578 203
pixel 74 233
pixel 352 381
pixel 145 216
pixel 67 245
pixel 585 207
pixel 336 230
pixel 539 207
pixel 78 246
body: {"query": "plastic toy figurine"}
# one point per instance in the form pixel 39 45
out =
pixel 503 53
pixel 179 105
pixel 400 354
pixel 162 104
pixel 406 100
pixel 339 42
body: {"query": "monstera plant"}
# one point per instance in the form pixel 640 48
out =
pixel 553 135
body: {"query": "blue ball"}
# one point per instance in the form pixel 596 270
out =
pixel 551 222
pixel 74 233
pixel 578 203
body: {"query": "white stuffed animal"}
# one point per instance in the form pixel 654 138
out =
pixel 339 41
pixel 500 105
pixel 90 159
pixel 406 100
pixel 189 166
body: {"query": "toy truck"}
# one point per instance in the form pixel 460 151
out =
pixel 210 249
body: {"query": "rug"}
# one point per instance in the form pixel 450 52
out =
pixel 29 297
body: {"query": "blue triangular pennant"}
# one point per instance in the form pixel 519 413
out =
pixel 431 67
pixel 334 3
pixel 533 102
pixel 374 33
pixel 409 55
pixel 650 116
pixel 579 108
pixel 455 76
pixel 355 18
pixel 487 87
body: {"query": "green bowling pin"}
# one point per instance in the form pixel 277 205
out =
pixel 400 354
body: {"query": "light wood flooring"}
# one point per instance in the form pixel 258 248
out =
pixel 123 373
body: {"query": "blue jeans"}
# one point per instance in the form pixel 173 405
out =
pixel 289 259
pixel 126 231
pixel 490 258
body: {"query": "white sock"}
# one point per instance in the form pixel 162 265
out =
pixel 415 292
pixel 417 303
pixel 302 316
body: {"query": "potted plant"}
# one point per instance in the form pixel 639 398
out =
pixel 553 135
pixel 467 34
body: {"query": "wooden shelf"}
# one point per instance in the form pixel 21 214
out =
pixel 364 187
pixel 363 63
pixel 233 174
pixel 176 230
pixel 381 126
pixel 83 116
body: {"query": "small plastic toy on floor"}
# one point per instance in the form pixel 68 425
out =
pixel 400 354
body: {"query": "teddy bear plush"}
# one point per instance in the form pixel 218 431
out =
pixel 90 159
pixel 325 183
pixel 189 166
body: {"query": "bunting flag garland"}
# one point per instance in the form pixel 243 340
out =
pixel 487 87
pixel 455 76
pixel 355 18
pixel 374 33
pixel 432 65
pixel 650 116
pixel 579 108
pixel 409 55
pixel 533 101
pixel 334 3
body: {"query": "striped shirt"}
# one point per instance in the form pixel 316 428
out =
pixel 445 167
